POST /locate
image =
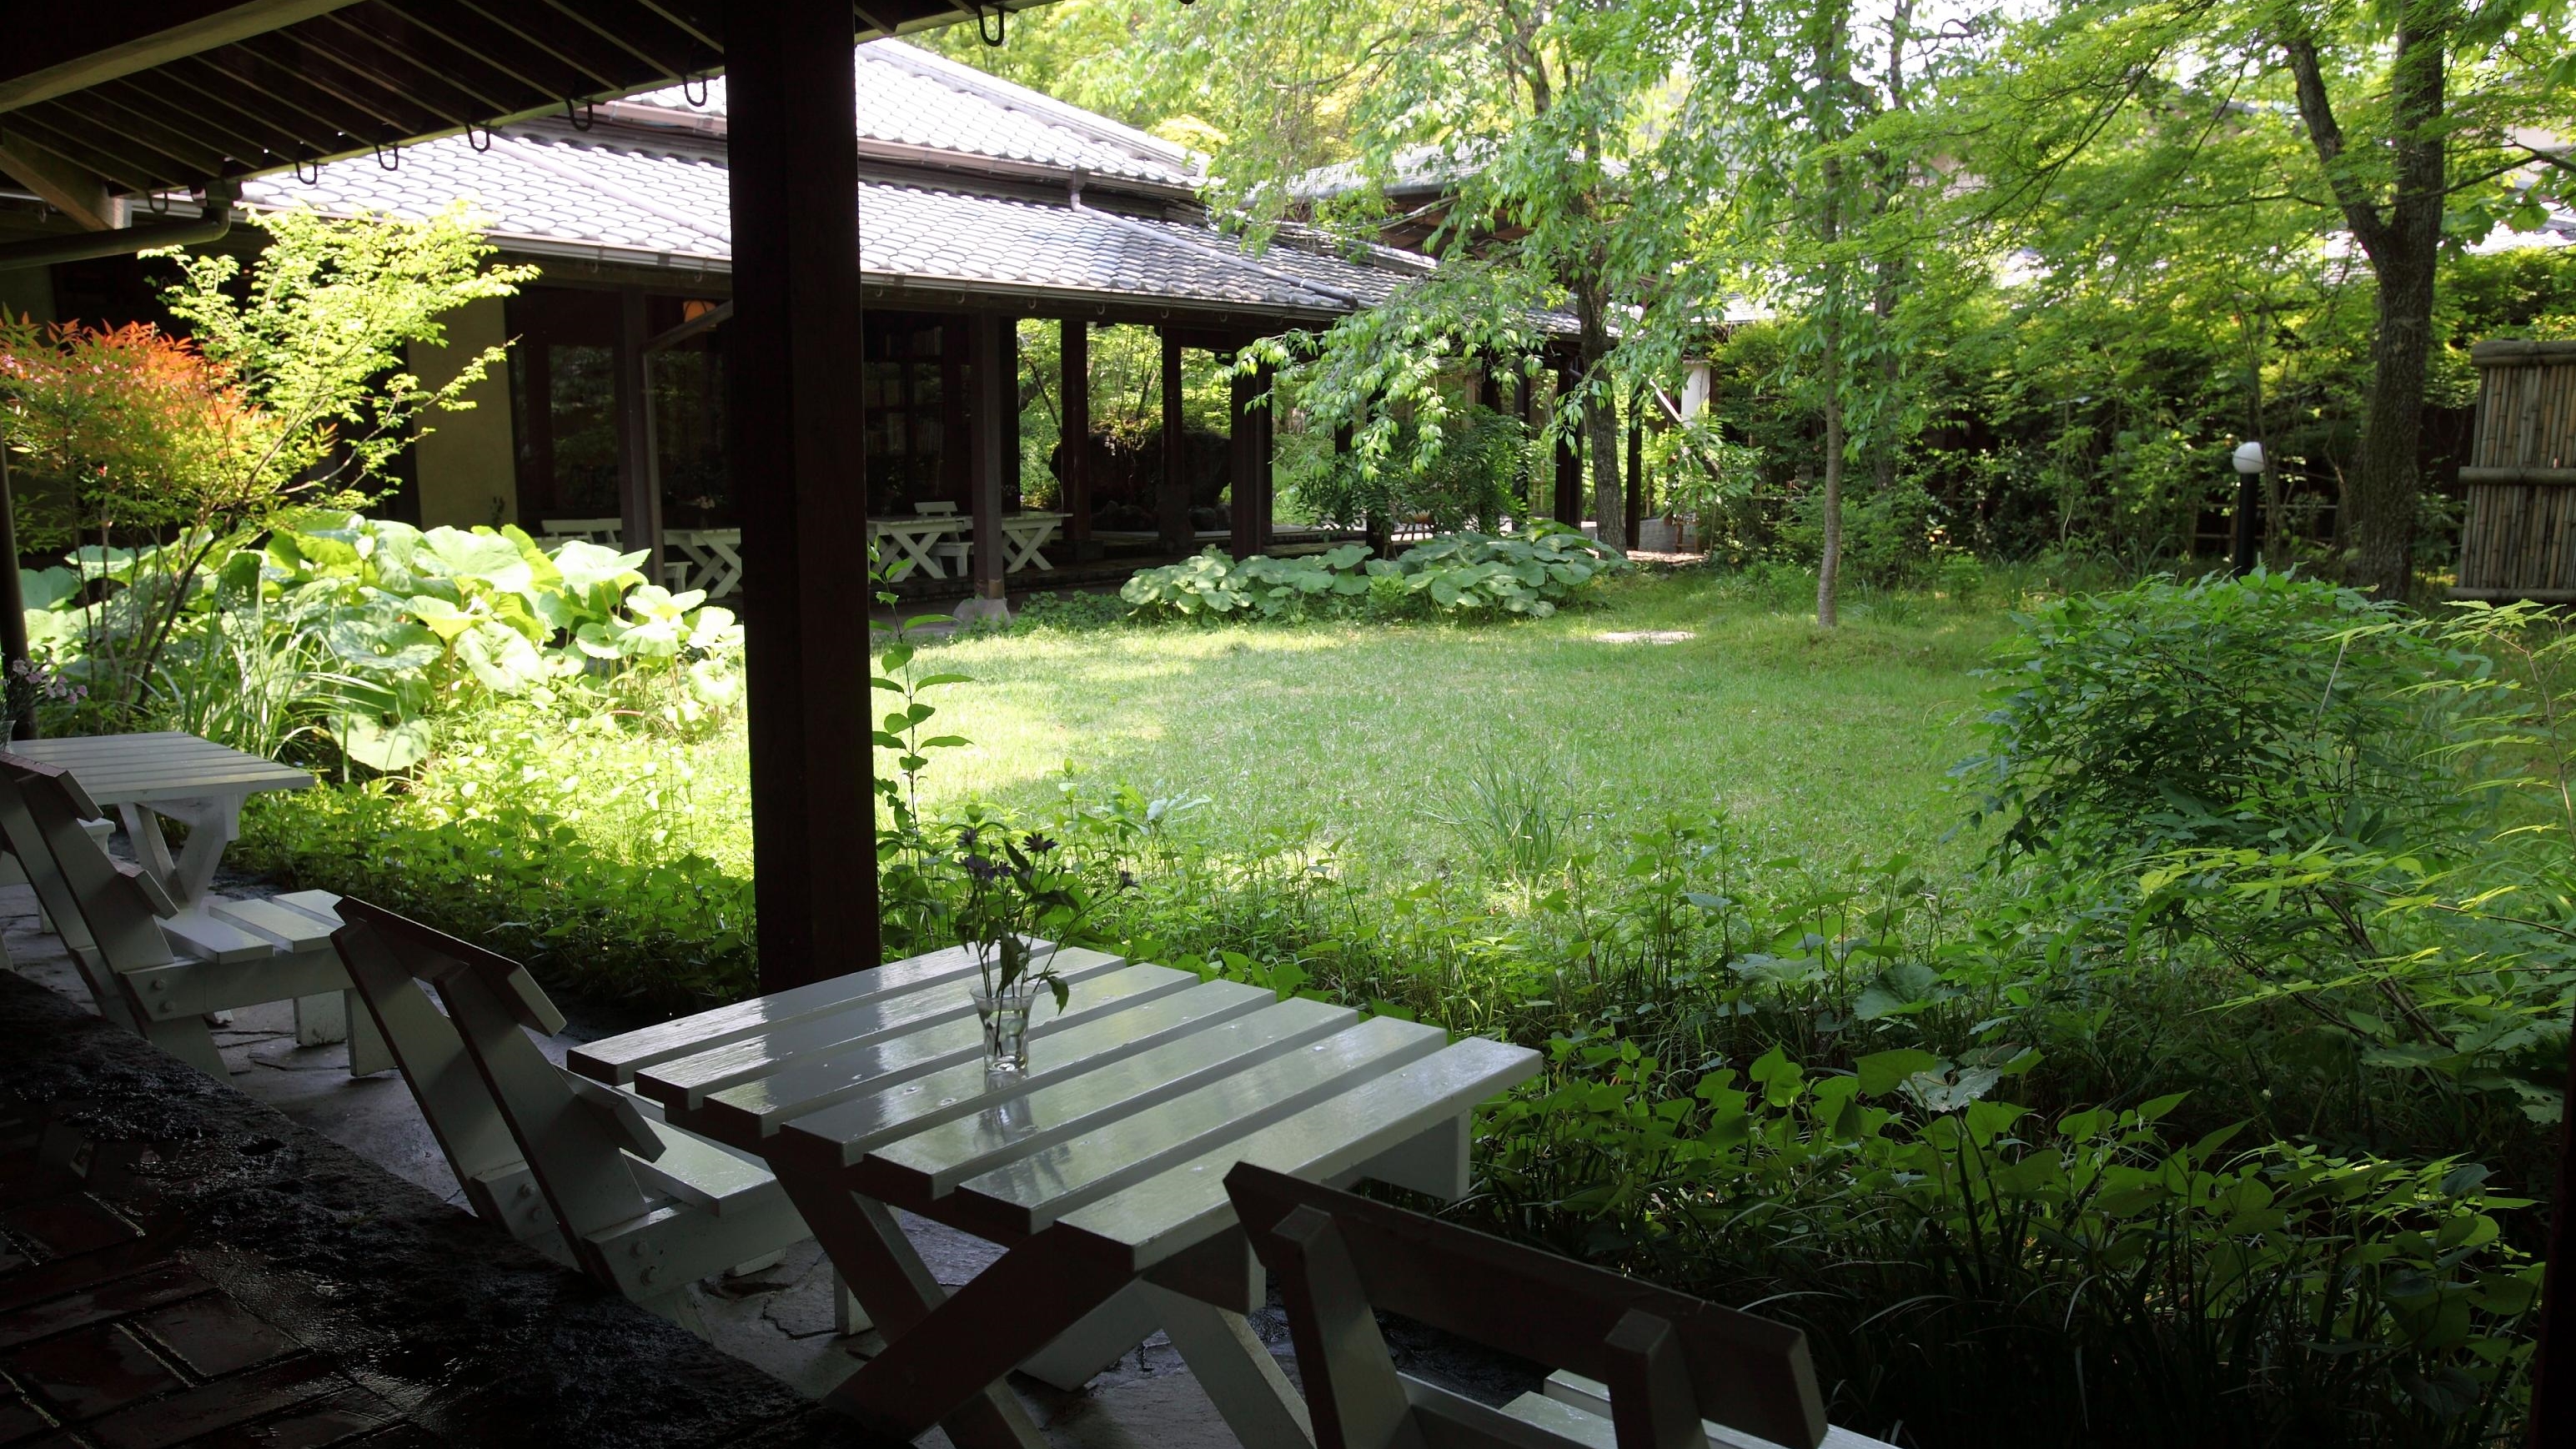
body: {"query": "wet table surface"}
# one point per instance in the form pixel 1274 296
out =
pixel 1101 1167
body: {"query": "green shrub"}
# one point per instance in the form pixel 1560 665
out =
pixel 361 630
pixel 1463 574
pixel 2218 712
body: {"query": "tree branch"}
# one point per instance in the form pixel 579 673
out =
pixel 2316 108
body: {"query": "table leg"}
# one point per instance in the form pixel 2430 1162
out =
pixel 897 1290
pixel 213 824
pixel 1235 1367
pixel 151 849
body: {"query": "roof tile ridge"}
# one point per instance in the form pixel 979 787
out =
pixel 1011 95
pixel 533 151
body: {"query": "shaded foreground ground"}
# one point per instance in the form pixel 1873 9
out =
pixel 326 1236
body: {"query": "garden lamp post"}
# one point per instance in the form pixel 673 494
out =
pixel 2249 479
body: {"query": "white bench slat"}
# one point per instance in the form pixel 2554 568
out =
pixel 700 1173
pixel 213 938
pixel 291 929
pixel 1027 1194
pixel 322 906
pixel 1572 1394
pixel 1184 1204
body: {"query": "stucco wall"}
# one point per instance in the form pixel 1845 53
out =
pixel 466 469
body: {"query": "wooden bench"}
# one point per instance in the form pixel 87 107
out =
pixel 587 1173
pixel 161 980
pixel 1639 1367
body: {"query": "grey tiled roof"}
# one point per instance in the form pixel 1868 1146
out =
pixel 548 192
pixel 918 98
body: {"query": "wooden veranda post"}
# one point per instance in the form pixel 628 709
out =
pixel 1172 500
pixel 993 447
pixel 1569 460
pixel 639 486
pixel 801 485
pixel 1073 454
pixel 1243 457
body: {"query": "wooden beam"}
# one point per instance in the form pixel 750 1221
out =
pixel 801 486
pixel 996 439
pixel 639 481
pixel 1172 500
pixel 1073 455
pixel 80 46
pixel 67 188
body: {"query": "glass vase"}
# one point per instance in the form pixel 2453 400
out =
pixel 1005 1017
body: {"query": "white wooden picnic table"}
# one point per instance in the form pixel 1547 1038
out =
pixel 917 539
pixel 147 777
pixel 1102 1168
pixel 1023 535
pixel 713 559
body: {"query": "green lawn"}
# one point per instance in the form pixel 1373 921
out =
pixel 1833 743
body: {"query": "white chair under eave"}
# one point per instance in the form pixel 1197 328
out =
pixel 109 917
pixel 584 1172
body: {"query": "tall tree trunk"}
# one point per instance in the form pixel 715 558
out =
pixel 1882 452
pixel 1829 562
pixel 1601 420
pixel 2403 242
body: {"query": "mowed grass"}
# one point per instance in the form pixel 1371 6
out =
pixel 1829 744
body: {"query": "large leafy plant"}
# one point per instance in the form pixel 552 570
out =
pixel 161 456
pixel 1463 574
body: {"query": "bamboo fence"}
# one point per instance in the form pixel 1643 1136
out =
pixel 2519 541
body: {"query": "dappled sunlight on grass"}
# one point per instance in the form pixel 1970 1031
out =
pixel 1830 744
pixel 1834 743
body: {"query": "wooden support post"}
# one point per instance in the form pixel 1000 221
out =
pixel 639 493
pixel 1569 461
pixel 994 426
pixel 1636 464
pixel 1172 502
pixel 801 484
pixel 1073 458
pixel 1266 445
pixel 1243 449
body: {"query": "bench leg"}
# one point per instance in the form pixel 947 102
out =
pixel 188 1039
pixel 322 1019
pixel 368 1053
pixel 899 1292
pixel 1235 1367
pixel 1099 1340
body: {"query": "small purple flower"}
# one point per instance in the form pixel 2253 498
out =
pixel 1039 844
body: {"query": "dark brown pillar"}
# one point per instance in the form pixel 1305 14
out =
pixel 1636 464
pixel 1243 458
pixel 800 484
pixel 1172 503
pixel 1073 457
pixel 639 492
pixel 1266 441
pixel 1569 460
pixel 994 446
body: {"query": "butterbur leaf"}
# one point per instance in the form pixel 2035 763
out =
pixel 1882 1072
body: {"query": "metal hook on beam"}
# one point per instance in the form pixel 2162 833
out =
pixel 483 145
pixel 583 120
pixel 394 164
pixel 313 180
pixel 700 99
pixel 1001 25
